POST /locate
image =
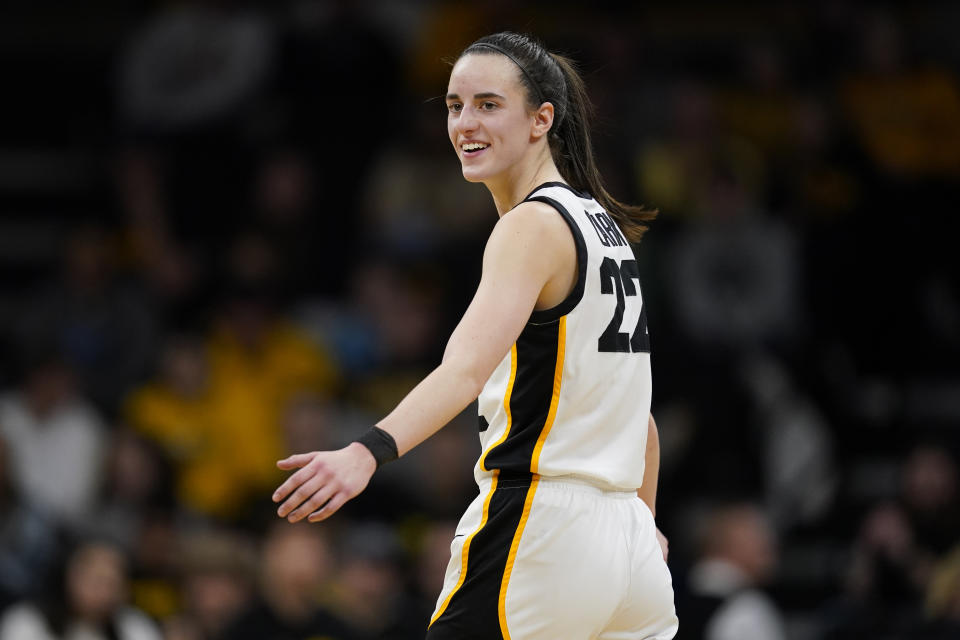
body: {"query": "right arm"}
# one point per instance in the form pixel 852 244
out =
pixel 528 248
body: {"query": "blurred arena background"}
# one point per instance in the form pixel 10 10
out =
pixel 234 230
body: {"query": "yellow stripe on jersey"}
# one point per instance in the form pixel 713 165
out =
pixel 555 399
pixel 506 407
pixel 466 548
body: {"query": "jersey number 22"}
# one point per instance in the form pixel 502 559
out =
pixel 618 279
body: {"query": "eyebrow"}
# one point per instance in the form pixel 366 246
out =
pixel 477 96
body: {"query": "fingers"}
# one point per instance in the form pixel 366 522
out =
pixel 295 461
pixel 300 494
pixel 314 502
pixel 293 483
pixel 323 483
pixel 328 509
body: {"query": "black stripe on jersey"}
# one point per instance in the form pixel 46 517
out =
pixel 473 611
pixel 579 194
pixel 530 398
pixel 571 301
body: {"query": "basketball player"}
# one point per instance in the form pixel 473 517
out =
pixel 557 544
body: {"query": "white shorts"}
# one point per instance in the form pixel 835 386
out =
pixel 555 559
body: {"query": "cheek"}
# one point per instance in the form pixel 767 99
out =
pixel 513 141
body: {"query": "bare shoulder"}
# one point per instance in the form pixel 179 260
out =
pixel 534 242
pixel 538 222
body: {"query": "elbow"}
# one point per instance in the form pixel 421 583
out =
pixel 474 382
pixel 466 376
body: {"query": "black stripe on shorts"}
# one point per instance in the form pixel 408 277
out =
pixel 473 610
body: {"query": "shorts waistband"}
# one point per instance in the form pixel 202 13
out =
pixel 568 483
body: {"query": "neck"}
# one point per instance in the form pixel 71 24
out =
pixel 509 189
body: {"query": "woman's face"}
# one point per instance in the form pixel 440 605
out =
pixel 96 581
pixel 488 120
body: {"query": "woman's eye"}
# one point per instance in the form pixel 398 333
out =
pixel 489 106
pixel 454 107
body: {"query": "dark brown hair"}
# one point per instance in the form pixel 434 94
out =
pixel 548 77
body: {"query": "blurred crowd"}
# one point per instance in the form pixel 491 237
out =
pixel 232 231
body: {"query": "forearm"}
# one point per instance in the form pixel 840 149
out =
pixel 651 470
pixel 439 398
pixel 524 254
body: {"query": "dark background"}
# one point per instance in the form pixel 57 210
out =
pixel 189 191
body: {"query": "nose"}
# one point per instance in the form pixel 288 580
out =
pixel 467 121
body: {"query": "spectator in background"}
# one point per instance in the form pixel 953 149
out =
pixel 369 593
pixel 884 583
pixel 943 600
pixel 401 305
pixel 216 585
pixel 86 603
pixel 259 361
pixel 169 270
pixel 218 404
pixel 340 43
pixel 676 168
pixel 156 565
pixel 28 540
pixel 137 483
pixel 906 115
pixel 310 422
pixel 800 476
pixel 296 567
pixel 930 499
pixel 56 439
pixel 286 208
pixel 724 600
pixel 178 411
pixel 901 546
pixel 103 327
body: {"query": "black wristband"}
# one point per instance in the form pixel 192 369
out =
pixel 381 444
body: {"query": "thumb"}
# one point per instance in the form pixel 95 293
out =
pixel 295 461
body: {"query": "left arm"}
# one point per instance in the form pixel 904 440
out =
pixel 651 469
pixel 651 472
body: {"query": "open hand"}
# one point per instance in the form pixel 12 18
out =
pixel 325 480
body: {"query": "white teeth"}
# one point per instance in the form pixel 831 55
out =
pixel 474 146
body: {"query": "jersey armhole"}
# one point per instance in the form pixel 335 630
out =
pixel 546 316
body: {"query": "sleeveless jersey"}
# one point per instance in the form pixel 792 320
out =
pixel 572 397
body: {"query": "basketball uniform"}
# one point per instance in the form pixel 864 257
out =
pixel 557 545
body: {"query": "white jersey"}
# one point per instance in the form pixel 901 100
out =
pixel 572 397
pixel 563 424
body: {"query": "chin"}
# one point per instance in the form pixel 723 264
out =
pixel 471 174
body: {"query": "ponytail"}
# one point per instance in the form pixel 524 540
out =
pixel 573 153
pixel 552 78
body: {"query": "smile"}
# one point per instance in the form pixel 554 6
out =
pixel 473 148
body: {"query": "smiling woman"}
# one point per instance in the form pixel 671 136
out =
pixel 555 348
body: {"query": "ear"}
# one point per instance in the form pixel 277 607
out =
pixel 542 120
